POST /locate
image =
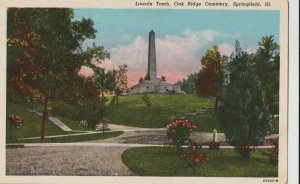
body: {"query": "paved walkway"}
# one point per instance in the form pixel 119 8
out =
pixel 107 144
pixel 93 158
pixel 67 161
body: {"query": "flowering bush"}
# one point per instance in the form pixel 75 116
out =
pixel 15 120
pixel 179 132
pixel 214 145
pixel 83 123
pixel 274 152
pixel 194 155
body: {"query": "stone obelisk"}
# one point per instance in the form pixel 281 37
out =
pixel 152 57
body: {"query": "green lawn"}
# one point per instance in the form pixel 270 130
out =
pixel 31 126
pixel 31 123
pixel 165 107
pixel 163 161
pixel 206 122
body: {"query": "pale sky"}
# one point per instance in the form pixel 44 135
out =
pixel 182 36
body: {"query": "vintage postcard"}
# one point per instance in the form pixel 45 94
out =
pixel 143 91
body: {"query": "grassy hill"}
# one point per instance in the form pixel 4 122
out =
pixel 31 126
pixel 132 111
pixel 31 123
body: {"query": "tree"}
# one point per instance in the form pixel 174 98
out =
pixel 244 117
pixel 210 77
pixel 121 81
pixel 189 85
pixel 104 81
pixel 267 63
pixel 45 54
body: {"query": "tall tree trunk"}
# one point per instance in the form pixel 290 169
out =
pixel 117 99
pixel 102 93
pixel 216 104
pixel 44 116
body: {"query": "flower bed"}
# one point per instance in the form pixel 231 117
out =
pixel 15 120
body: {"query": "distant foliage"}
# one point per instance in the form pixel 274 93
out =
pixel 147 100
pixel 189 85
pixel 120 81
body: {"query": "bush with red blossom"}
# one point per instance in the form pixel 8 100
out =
pixel 15 120
pixel 194 156
pixel 178 131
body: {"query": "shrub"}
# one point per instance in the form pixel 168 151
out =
pixel 179 132
pixel 194 156
pixel 243 115
pixel 83 123
pixel 102 125
pixel 147 100
pixel 92 111
pixel 64 109
pixel 243 150
pixel 274 152
pixel 214 145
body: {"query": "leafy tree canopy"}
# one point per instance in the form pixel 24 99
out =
pixel 211 76
pixel 44 54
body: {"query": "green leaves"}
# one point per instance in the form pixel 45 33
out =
pixel 267 62
pixel 44 48
pixel 244 115
pixel 211 76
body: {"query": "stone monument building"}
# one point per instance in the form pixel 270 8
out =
pixel 152 84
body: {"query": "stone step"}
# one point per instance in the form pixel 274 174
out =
pixel 54 120
pixel 60 124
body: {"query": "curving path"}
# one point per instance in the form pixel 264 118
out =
pixel 92 158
